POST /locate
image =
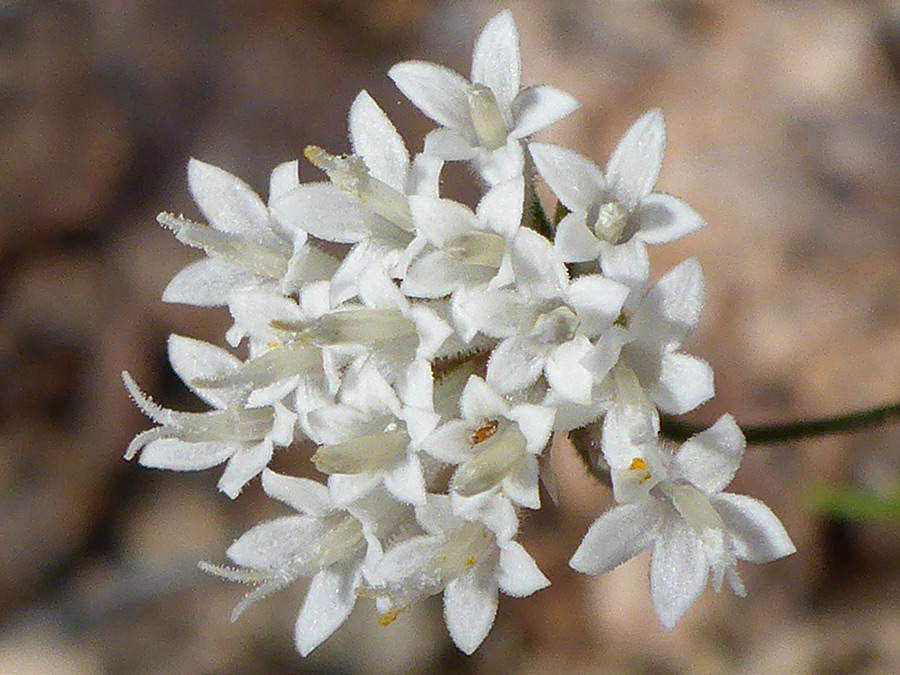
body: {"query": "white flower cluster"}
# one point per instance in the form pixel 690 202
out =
pixel 430 351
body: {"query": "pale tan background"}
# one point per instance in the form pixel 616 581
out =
pixel 784 132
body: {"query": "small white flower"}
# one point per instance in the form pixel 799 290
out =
pixel 483 120
pixel 495 445
pixel 469 558
pixel 329 544
pixel 675 504
pixel 244 437
pixel 613 216
pixel 245 245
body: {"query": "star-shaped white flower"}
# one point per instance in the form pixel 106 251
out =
pixel 483 120
pixel 247 248
pixel 330 545
pixel 675 504
pixel 495 444
pixel 470 558
pixel 614 215
pixel 243 437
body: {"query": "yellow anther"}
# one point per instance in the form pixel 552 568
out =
pixel 484 432
pixel 388 617
pixel 637 463
pixel 470 561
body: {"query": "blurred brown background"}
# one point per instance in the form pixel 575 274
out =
pixel 784 132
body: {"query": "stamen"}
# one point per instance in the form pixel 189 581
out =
pixel 611 221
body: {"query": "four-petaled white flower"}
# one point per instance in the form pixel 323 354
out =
pixel 614 215
pixel 675 503
pixel 483 120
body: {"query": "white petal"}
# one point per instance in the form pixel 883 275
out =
pixel 177 455
pixel 574 242
pixel 756 532
pixel 274 544
pixel 229 204
pixel 665 218
pixel 504 163
pixel 329 601
pixel 521 485
pixel 424 176
pixel 671 309
pixel 515 363
pixel 495 58
pixel 346 489
pixel 438 92
pixel 627 263
pixel 470 605
pixel 449 145
pixel 519 574
pixel 441 220
pixel 566 374
pixel 284 178
pixel 303 494
pixel 539 271
pixel 497 313
pixel 209 283
pixel 678 571
pixel 405 482
pixel 480 401
pixel 597 301
pixel 436 275
pixel 616 536
pixel 535 422
pixel 501 207
pixel 635 163
pixel 538 107
pixel 436 517
pixel 326 212
pixel 336 423
pixel 684 382
pixel 375 139
pixel 195 359
pixel 710 459
pixel 575 180
pixel 243 466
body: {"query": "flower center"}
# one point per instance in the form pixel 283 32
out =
pixel 490 127
pixel 612 218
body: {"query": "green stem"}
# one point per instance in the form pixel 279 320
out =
pixel 677 430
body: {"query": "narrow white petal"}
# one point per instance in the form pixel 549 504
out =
pixel 635 163
pixel 538 107
pixel 346 489
pixel 710 459
pixel 177 455
pixel 519 574
pixel 575 180
pixel 515 363
pixel 375 139
pixel 535 423
pixel 597 301
pixel 194 359
pixel 671 309
pixel 326 212
pixel 521 485
pixel 424 175
pixel 470 605
pixel 284 178
pixel 405 481
pixel 574 242
pixel 229 204
pixel 438 92
pixel 209 283
pixel 757 533
pixel 441 220
pixel 449 144
pixel 243 466
pixel 684 382
pixel 616 536
pixel 303 494
pixel 480 401
pixel 495 58
pixel 626 263
pixel 271 546
pixel 329 601
pixel 501 207
pixel 678 570
pixel 539 271
pixel 665 218
pixel 566 374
